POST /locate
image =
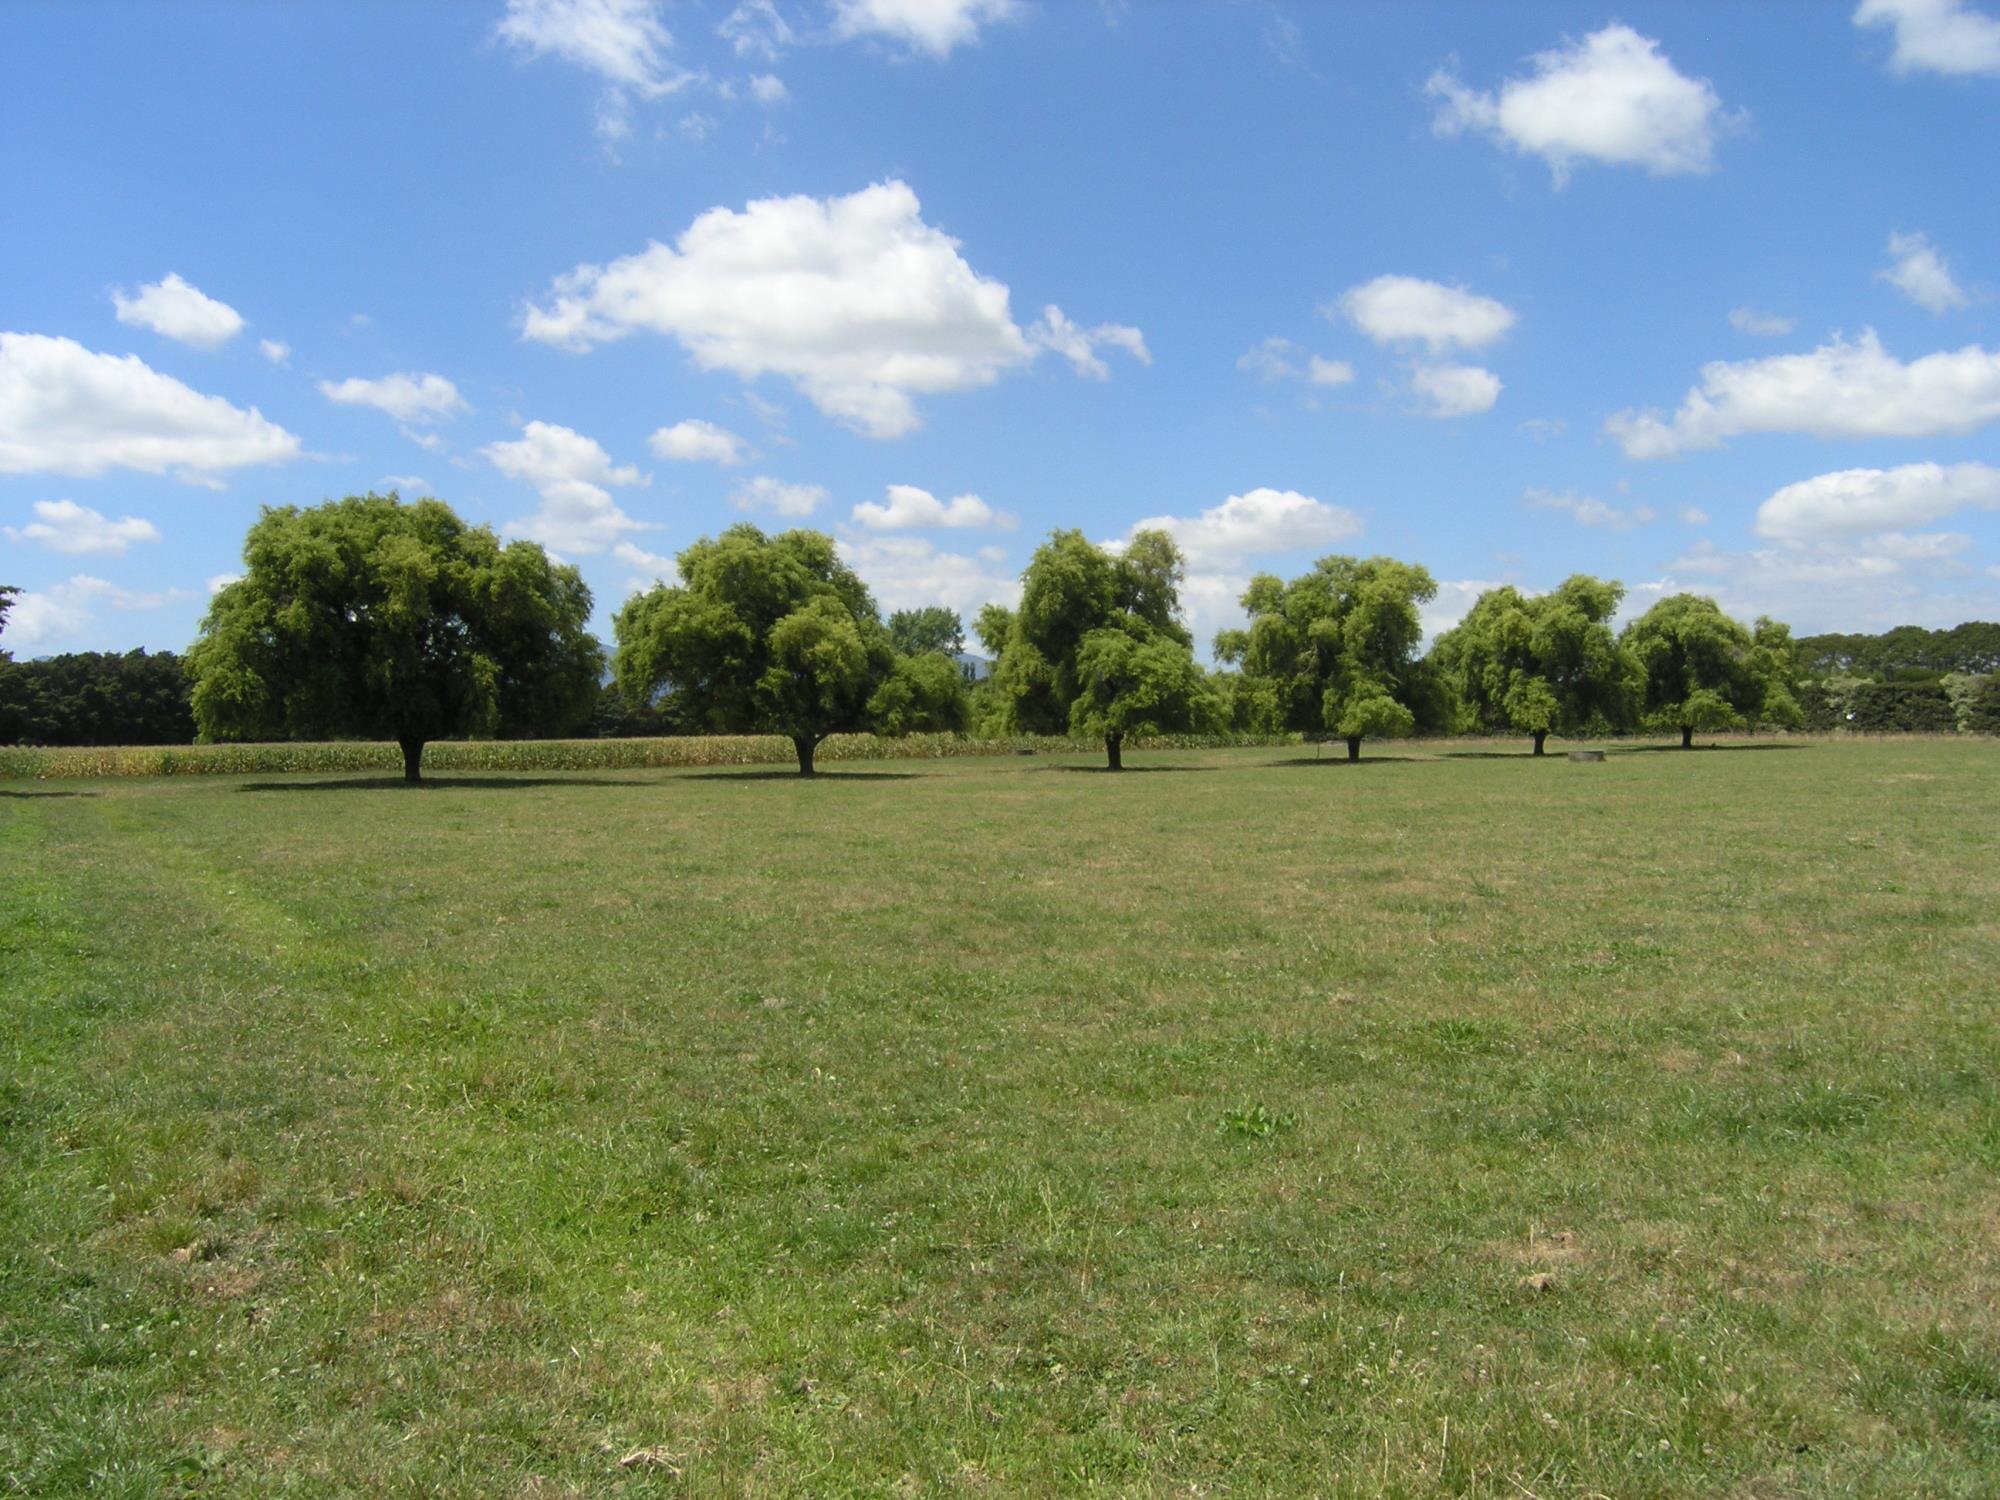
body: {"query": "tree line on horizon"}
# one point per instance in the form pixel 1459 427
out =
pixel 369 617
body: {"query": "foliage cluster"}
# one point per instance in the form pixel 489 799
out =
pixel 368 617
pixel 1334 652
pixel 776 635
pixel 1097 648
pixel 96 698
pixel 1907 651
pixel 1958 703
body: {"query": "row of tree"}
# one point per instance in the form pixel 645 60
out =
pixel 96 698
pixel 368 617
pixel 1909 653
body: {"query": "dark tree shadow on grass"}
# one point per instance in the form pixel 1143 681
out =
pixel 1125 770
pixel 434 784
pixel 49 794
pixel 791 774
pixel 1697 749
pixel 1342 760
pixel 1500 755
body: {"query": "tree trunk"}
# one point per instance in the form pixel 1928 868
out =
pixel 1113 743
pixel 1687 736
pixel 1354 747
pixel 413 759
pixel 805 744
pixel 1540 735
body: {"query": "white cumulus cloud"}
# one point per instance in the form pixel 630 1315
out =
pixel 1922 275
pixel 408 397
pixel 777 496
pixel 175 310
pixel 623 42
pixel 66 410
pixel 65 526
pixel 1918 547
pixel 1258 521
pixel 933 26
pixel 768 88
pixel 755 28
pixel 696 441
pixel 1870 583
pixel 1586 510
pixel 1454 601
pixel 1762 325
pixel 653 567
pixel 1221 542
pixel 911 572
pixel 1843 389
pixel 1274 359
pixel 1936 36
pixel 908 508
pixel 1281 359
pixel 1455 390
pixel 277 351
pixel 572 474
pixel 1853 502
pixel 1408 309
pixel 1613 97
pixel 855 300
pixel 58 614
pixel 1079 345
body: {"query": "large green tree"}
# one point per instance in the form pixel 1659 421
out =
pixel 1334 652
pixel 7 593
pixel 765 635
pixel 1701 670
pixel 1540 665
pixel 368 617
pixel 1097 647
pixel 914 632
pixel 925 694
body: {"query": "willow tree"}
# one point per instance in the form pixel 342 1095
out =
pixel 763 635
pixel 1334 651
pixel 1540 665
pixel 1701 670
pixel 369 618
pixel 1097 647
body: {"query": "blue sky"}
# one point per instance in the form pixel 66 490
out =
pixel 1695 296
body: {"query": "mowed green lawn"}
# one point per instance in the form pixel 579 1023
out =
pixel 1450 1123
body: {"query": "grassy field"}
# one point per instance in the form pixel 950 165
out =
pixel 1453 1122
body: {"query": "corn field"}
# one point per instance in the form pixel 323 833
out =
pixel 43 764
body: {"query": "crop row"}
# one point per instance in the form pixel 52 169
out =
pixel 27 763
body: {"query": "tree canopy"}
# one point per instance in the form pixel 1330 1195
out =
pixel 1335 651
pixel 96 698
pixel 1540 665
pixel 913 632
pixel 1699 669
pixel 1907 651
pixel 775 634
pixel 1097 647
pixel 370 617
pixel 7 593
